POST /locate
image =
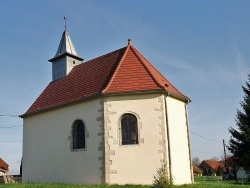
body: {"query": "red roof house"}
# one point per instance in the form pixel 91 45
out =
pixel 4 167
pixel 212 167
pixel 196 170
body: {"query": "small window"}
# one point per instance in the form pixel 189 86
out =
pixel 78 135
pixel 129 129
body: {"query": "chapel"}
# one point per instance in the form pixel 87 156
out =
pixel 113 119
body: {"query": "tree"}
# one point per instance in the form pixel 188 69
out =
pixel 239 144
pixel 214 158
pixel 196 161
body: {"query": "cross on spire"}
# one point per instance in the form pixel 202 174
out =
pixel 65 21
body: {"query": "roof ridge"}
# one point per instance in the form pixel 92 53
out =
pixel 152 75
pixel 103 55
pixel 117 68
pixel 71 48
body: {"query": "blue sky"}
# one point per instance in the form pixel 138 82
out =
pixel 202 47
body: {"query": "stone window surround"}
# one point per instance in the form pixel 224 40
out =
pixel 70 138
pixel 139 128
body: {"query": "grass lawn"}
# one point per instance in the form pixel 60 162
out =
pixel 200 182
pixel 57 185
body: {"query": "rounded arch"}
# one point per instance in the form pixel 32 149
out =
pixel 78 133
pixel 132 113
pixel 129 129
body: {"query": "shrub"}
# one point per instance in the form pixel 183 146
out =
pixel 162 178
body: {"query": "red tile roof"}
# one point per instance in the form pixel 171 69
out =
pixel 122 71
pixel 215 164
pixel 196 169
pixel 4 167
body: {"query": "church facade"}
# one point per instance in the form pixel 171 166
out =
pixel 112 119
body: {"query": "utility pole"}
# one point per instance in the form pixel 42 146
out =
pixel 224 146
pixel 225 155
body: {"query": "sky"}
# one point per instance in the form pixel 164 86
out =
pixel 202 47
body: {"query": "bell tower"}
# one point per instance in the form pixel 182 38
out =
pixel 66 56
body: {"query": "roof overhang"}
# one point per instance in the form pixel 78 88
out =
pixel 66 54
pixel 99 95
pixel 3 170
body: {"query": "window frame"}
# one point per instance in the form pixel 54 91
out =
pixel 125 130
pixel 77 126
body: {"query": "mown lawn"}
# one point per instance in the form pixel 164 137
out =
pixel 200 182
pixel 57 185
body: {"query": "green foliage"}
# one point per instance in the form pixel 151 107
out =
pixel 162 178
pixel 239 144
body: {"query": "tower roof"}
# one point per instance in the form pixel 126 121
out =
pixel 66 47
pixel 124 71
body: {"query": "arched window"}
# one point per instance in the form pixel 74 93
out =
pixel 129 129
pixel 78 135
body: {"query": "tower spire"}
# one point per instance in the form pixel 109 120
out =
pixel 66 56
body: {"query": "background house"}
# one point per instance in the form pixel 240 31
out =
pixel 212 167
pixel 112 119
pixel 196 170
pixel 4 167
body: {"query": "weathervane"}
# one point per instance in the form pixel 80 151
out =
pixel 65 21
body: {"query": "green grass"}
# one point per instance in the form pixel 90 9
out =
pixel 210 182
pixel 59 185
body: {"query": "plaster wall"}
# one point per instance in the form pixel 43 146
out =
pixel 179 141
pixel 47 152
pixel 134 164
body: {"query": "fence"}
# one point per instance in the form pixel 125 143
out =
pixel 7 179
pixel 212 178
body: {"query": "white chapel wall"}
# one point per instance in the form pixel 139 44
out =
pixel 178 138
pixel 135 164
pixel 47 155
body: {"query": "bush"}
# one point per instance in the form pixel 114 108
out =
pixel 162 178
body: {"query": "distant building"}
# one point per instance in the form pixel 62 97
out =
pixel 112 120
pixel 196 170
pixel 4 167
pixel 212 167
